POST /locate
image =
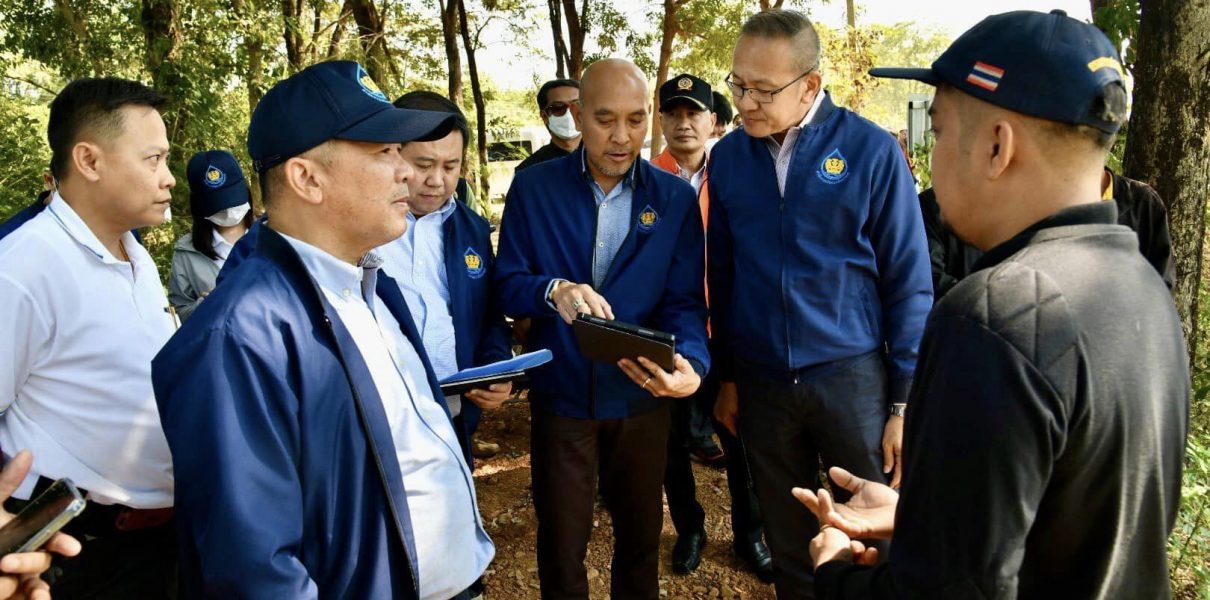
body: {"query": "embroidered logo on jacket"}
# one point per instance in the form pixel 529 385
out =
pixel 834 168
pixel 215 177
pixel 474 263
pixel 368 86
pixel 648 219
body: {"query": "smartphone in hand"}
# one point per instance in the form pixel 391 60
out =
pixel 41 518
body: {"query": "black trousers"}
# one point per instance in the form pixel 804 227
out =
pixel 679 483
pixel 113 565
pixel 835 415
pixel 627 455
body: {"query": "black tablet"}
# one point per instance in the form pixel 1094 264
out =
pixel 610 341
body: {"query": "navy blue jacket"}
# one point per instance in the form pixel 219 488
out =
pixel 655 280
pixel 287 482
pixel 837 268
pixel 23 216
pixel 482 334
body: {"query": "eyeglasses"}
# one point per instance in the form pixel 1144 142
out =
pixel 761 96
pixel 557 109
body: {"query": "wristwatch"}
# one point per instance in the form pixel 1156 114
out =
pixel 898 408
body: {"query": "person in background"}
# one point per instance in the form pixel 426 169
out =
pixel 221 206
pixel 819 282
pixel 723 113
pixel 687 118
pixel 1046 432
pixel 601 231
pixel 316 456
pixel 444 265
pixel 555 98
pixel 85 312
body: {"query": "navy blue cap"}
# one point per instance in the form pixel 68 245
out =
pixel 332 100
pixel 1046 65
pixel 216 183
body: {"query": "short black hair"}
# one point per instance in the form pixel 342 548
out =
pixel 722 108
pixel 91 104
pixel 432 101
pixel 780 23
pixel 544 91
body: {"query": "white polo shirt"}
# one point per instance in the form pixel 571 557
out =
pixel 77 335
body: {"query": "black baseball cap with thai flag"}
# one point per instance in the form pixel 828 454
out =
pixel 1046 65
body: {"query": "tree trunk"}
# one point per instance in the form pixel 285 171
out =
pixel 291 12
pixel 556 29
pixel 162 36
pixel 480 103
pixel 453 60
pixel 1168 144
pixel 371 33
pixel 338 31
pixel 671 28
pixel 766 5
pixel 576 32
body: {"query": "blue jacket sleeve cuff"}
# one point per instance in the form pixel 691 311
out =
pixel 698 367
pixel 901 387
pixel 550 288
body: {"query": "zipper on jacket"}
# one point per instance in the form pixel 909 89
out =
pixel 785 305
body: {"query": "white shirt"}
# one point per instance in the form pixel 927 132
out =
pixel 785 150
pixel 694 179
pixel 452 548
pixel 222 248
pixel 78 333
pixel 416 261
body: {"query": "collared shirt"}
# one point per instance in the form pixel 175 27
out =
pixel 694 179
pixel 782 152
pixel 452 548
pixel 222 248
pixel 79 331
pixel 417 263
pixel 613 221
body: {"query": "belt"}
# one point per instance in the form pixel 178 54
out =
pixel 106 519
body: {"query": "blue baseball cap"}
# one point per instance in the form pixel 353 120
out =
pixel 216 183
pixel 332 100
pixel 1046 65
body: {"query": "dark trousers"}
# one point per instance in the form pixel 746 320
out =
pixel 113 565
pixel 834 414
pixel 679 484
pixel 627 455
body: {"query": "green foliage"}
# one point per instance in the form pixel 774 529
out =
pixel 922 162
pixel 1119 19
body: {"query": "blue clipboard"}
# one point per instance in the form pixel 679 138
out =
pixel 497 372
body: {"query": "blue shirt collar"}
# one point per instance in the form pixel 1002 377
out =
pixel 629 180
pixel 442 213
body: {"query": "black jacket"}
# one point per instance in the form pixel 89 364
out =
pixel 1139 208
pixel 541 155
pixel 1046 428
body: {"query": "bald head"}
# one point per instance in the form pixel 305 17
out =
pixel 612 75
pixel 612 115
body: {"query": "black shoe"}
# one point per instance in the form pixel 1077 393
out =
pixel 757 557
pixel 687 553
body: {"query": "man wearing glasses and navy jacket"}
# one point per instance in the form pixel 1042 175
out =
pixel 819 282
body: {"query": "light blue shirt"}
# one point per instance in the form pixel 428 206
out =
pixel 452 549
pixel 613 221
pixel 417 263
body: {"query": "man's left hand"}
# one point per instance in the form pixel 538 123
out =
pixel 646 374
pixel 892 449
pixel 832 544
pixel 493 397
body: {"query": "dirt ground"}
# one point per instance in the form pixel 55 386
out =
pixel 506 503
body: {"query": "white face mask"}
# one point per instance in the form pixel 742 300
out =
pixel 564 126
pixel 230 216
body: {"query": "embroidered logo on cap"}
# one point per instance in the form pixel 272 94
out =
pixel 214 177
pixel 368 86
pixel 985 76
pixel 684 84
pixel 474 263
pixel 648 219
pixel 834 168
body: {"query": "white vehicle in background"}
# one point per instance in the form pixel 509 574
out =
pixel 503 156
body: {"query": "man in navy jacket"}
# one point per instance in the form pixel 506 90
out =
pixel 819 282
pixel 603 231
pixel 315 455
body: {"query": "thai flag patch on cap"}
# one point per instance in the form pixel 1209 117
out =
pixel 985 76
